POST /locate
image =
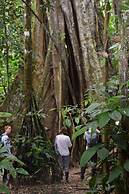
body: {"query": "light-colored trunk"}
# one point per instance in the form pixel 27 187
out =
pixel 28 57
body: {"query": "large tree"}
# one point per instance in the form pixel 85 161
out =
pixel 69 43
pixel 66 55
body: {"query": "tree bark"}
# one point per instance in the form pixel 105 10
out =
pixel 28 57
pixel 66 62
pixel 122 188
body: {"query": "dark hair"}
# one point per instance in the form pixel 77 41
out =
pixel 6 126
pixel 64 130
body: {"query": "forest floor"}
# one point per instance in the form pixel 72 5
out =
pixel 75 185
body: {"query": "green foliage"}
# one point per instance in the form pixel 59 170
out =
pixel 126 165
pixel 38 153
pixel 67 123
pixel 7 163
pixel 70 116
pixel 103 153
pixel 88 154
pixel 11 42
pixel 79 130
pixel 121 140
pixel 103 119
pixel 21 171
pixel 103 115
pixel 115 115
pixel 4 189
pixel 115 173
pixel 5 114
pixel 4 117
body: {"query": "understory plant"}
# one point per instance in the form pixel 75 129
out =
pixel 39 155
pixel 7 163
pixel 111 117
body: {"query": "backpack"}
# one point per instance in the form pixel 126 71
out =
pixel 91 138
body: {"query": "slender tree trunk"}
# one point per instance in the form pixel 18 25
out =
pixel 6 46
pixel 28 57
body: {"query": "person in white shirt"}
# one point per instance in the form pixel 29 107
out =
pixel 5 140
pixel 92 138
pixel 62 145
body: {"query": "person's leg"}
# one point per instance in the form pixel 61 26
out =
pixel 60 160
pixel 66 161
pixel 83 169
pixel 94 163
pixel 5 177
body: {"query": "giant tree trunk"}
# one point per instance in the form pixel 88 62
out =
pixel 71 64
pixel 66 62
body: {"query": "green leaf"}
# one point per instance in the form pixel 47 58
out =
pixel 2 149
pixel 120 140
pixel 67 123
pixel 93 125
pixel 14 158
pixel 125 111
pixel 88 154
pixel 115 115
pixel 78 133
pixel 86 102
pixel 114 102
pixel 5 114
pixel 126 165
pixel 95 113
pixel 103 119
pixel 103 153
pixel 92 107
pixel 2 121
pixel 12 171
pixel 4 189
pixel 114 174
pixel 21 171
pixel 77 120
pixel 6 164
pixel 92 183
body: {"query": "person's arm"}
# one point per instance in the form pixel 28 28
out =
pixel 69 142
pixel 55 145
pixel 98 131
pixel 84 136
